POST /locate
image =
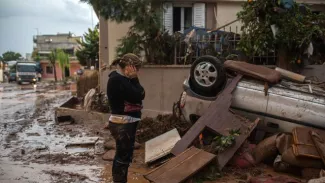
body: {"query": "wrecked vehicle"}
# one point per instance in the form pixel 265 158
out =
pixel 281 108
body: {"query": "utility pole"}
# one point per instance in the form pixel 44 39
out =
pixel 37 30
pixel 92 17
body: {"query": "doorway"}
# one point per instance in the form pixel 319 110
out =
pixel 67 72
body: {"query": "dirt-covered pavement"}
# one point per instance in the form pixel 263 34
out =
pixel 33 147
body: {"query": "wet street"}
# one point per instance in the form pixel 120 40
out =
pixel 33 148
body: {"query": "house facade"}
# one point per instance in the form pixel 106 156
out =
pixel 44 44
pixel 182 14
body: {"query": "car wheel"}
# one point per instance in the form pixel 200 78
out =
pixel 207 77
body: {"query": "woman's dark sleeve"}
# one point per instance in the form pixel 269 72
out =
pixel 134 92
pixel 112 87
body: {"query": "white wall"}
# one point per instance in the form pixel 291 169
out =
pixel 226 13
pixel 115 32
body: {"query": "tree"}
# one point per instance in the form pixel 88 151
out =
pixel 10 55
pixel 63 60
pixel 145 34
pixel 294 27
pixel 52 58
pixel 36 56
pixel 89 50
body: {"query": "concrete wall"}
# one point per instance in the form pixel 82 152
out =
pixel 163 86
pixel 115 32
pixel 226 13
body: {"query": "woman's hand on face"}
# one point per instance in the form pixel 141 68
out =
pixel 131 71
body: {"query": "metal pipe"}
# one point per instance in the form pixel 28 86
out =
pixel 291 75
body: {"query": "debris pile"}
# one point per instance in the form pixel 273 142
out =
pixel 86 82
pixel 96 101
pixel 227 145
pixel 153 127
pixel 100 102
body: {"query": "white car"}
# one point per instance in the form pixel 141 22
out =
pixel 286 106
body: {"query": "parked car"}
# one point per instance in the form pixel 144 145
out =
pixel 12 77
pixel 286 106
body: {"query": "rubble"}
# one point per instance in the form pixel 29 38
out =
pixel 319 180
pixel 160 146
pixel 272 179
pixel 265 149
pixel 150 128
pixel 86 82
pixel 99 147
pixel 109 145
pixel 310 173
pixel 88 99
pixel 62 176
pixel 109 155
pixel 86 141
pixel 283 150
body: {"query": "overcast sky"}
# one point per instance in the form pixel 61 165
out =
pixel 20 18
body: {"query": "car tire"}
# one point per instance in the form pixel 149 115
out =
pixel 207 76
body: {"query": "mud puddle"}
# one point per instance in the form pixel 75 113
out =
pixel 32 144
pixel 12 172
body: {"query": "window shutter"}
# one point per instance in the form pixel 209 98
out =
pixel 168 17
pixel 199 15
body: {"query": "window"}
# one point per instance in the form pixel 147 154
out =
pixel 181 16
pixel 69 51
pixel 49 70
pixel 188 14
pixel 43 55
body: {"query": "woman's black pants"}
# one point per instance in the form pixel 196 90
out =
pixel 124 135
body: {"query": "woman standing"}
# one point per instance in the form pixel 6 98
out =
pixel 125 95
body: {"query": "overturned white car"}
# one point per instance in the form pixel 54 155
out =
pixel 286 105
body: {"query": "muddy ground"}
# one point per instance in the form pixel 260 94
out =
pixel 34 149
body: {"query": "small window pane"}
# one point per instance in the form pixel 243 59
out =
pixel 49 69
pixel 187 17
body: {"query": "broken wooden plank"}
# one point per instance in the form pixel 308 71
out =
pixel 181 167
pixel 216 110
pixel 226 155
pixel 161 146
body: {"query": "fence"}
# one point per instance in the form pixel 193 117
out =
pixel 222 43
